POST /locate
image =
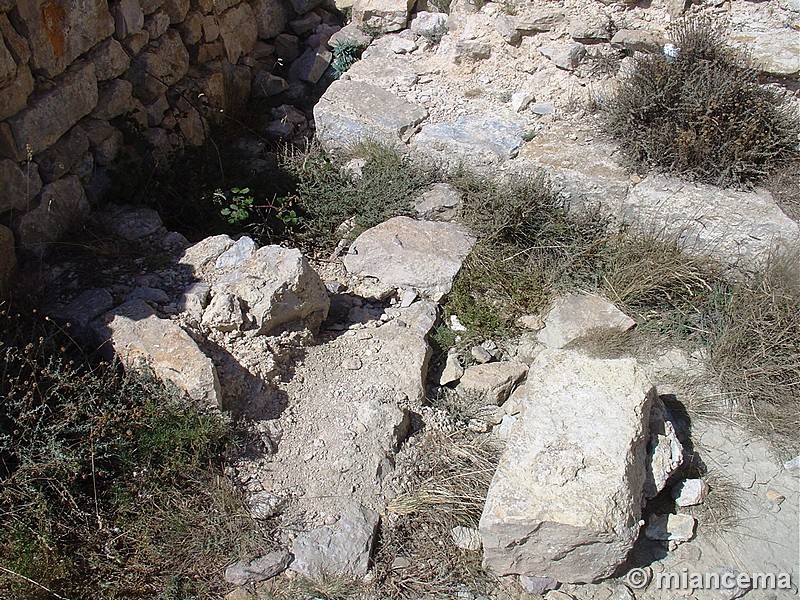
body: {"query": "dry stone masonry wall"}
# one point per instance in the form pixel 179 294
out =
pixel 73 71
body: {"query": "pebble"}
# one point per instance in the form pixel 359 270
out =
pixel 352 364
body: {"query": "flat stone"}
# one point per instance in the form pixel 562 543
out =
pixel 138 337
pixel 405 253
pixel 311 65
pixel 539 20
pixel 638 40
pixel 83 309
pixel 474 140
pixel 741 229
pixel 341 549
pixel 14 96
pixel 492 381
pixel 131 222
pixel 574 316
pixel 259 569
pixel 162 65
pixel 109 59
pixel 452 371
pixel 352 111
pixel 565 501
pixel 537 585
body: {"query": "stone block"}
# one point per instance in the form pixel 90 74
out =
pixel 351 111
pixel 159 67
pixel 59 32
pixel 51 114
pixel 565 501
pixel 109 59
pixel 238 30
pixel 385 15
pixel 17 45
pixel 14 96
pixel 128 17
pixel 114 99
pixel 56 161
pixel 271 17
pixel 139 338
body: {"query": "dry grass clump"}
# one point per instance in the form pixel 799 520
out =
pixel 450 490
pixel 704 114
pixel 110 484
pixel 756 353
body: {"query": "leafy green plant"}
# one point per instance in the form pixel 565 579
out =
pixel 239 204
pixel 345 54
pixel 702 114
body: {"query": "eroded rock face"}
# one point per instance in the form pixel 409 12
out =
pixel 565 501
pixel 738 228
pixel 404 253
pixel 138 337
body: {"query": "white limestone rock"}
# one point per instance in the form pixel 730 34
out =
pixel 405 253
pixel 565 501
pixel 574 316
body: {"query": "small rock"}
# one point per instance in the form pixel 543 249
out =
pixel 264 505
pixel 455 324
pixel 492 381
pixel 729 584
pixel 690 492
pixel 466 538
pixel 534 322
pixel 400 562
pixel 452 371
pixel 574 316
pixel 677 528
pixel 542 108
pixel 258 569
pixel 481 354
pixel 774 497
pixel 623 593
pixel 440 203
pixel 503 431
pixel 564 55
pixel 793 466
pixel 556 595
pixel 537 585
pixel 407 298
pixel 521 99
pixel 747 479
pixel 352 364
pixel 429 24
pixel 402 46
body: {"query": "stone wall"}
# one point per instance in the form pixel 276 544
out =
pixel 71 72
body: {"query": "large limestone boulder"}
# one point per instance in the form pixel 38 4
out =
pixel 404 253
pixel 352 111
pixel 775 52
pixel 472 140
pixel 741 229
pixel 565 501
pixel 262 289
pixel 138 337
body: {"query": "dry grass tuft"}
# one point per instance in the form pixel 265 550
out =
pixel 450 491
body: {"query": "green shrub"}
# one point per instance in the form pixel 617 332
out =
pixel 345 54
pixel 328 194
pixel 703 115
pixel 110 484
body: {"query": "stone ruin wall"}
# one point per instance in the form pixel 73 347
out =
pixel 70 69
